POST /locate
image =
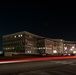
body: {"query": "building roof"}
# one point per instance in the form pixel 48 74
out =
pixel 23 32
pixel 37 36
pixel 70 42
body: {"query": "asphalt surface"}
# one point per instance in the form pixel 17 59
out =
pixel 53 67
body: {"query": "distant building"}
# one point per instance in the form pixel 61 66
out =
pixel 50 46
pixel 70 47
pixel 45 46
pixel 28 43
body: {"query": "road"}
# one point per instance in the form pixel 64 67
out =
pixel 48 67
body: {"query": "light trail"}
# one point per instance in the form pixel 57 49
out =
pixel 14 61
pixel 36 59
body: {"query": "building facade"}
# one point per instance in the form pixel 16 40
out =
pixel 70 47
pixel 28 43
pixel 20 43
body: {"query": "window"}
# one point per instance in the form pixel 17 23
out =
pixel 30 36
pixel 14 36
pixel 18 35
pixel 29 52
pixel 21 35
pixel 54 51
pixel 74 52
pixel 65 48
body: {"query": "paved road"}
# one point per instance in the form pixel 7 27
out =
pixel 54 67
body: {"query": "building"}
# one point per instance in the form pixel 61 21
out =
pixel 28 43
pixel 45 46
pixel 58 46
pixel 70 47
pixel 20 43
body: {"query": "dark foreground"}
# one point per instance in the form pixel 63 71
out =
pixel 53 67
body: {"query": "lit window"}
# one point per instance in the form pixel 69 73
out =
pixel 61 40
pixel 64 44
pixel 71 49
pixel 65 48
pixel 18 35
pixel 46 48
pixel 29 51
pixel 1 52
pixel 54 51
pixel 14 36
pixel 72 46
pixel 74 52
pixel 39 48
pixel 21 35
pixel 30 36
pixel 43 47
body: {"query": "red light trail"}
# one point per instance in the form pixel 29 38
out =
pixel 36 59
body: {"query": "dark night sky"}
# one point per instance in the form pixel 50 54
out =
pixel 38 18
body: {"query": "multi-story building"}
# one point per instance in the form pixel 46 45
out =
pixel 45 46
pixel 58 46
pixel 28 43
pixel 70 47
pixel 50 46
pixel 20 43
